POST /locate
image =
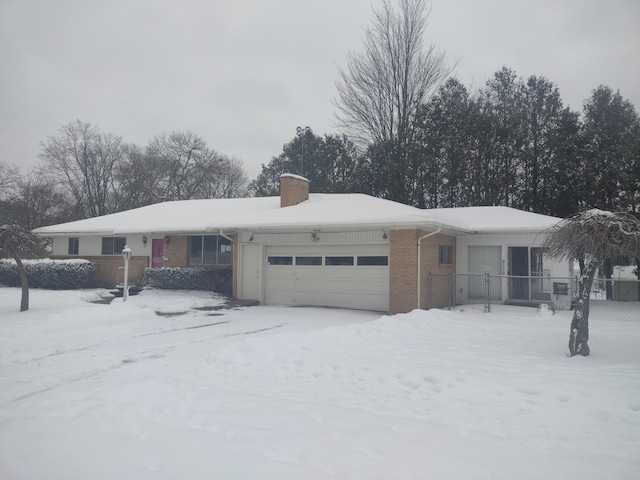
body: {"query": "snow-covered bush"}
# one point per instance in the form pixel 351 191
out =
pixel 47 273
pixel 180 278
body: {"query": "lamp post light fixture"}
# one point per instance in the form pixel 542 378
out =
pixel 126 254
pixel 301 132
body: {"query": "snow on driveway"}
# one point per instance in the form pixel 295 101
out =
pixel 166 386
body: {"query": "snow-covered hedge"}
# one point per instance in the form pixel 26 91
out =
pixel 47 273
pixel 177 278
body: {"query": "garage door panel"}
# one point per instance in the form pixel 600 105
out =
pixel 364 273
pixel 373 288
pixel 309 272
pixel 309 286
pixel 340 273
pixel 373 302
pixel 345 300
pixel 279 298
pixel 340 285
pixel 309 298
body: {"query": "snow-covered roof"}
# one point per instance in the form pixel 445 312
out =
pixel 168 217
pixel 350 210
pixel 492 219
pixel 333 210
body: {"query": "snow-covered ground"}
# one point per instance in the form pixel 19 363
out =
pixel 118 391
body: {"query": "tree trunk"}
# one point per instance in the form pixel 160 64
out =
pixel 24 302
pixel 638 275
pixel 608 276
pixel 579 336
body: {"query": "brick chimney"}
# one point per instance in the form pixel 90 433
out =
pixel 294 189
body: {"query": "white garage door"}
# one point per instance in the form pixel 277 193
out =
pixel 333 275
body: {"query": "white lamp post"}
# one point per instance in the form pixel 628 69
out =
pixel 126 254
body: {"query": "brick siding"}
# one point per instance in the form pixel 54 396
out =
pixel 107 274
pixel 403 269
pixel 176 251
pixel 293 190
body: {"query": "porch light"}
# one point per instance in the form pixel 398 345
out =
pixel 144 240
pixel 126 255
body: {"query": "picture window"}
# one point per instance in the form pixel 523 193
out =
pixel 209 250
pixel 113 245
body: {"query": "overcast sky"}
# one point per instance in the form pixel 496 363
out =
pixel 243 74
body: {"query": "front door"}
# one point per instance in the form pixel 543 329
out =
pixel 157 253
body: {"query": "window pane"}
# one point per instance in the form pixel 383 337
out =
pixel 224 251
pixel 73 246
pixel 373 260
pixel 195 250
pixel 308 260
pixel 338 261
pixel 118 244
pixel 107 246
pixel 445 254
pixel 280 260
pixel 210 250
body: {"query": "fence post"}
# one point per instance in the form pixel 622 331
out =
pixel 430 287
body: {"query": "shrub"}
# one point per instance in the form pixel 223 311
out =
pixel 51 274
pixel 179 278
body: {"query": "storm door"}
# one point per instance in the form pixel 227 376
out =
pixel 157 253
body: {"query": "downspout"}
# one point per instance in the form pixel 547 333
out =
pixel 420 257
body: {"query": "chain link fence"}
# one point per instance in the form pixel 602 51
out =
pixel 487 292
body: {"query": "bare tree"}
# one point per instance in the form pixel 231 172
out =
pixel 381 88
pixel 231 181
pixel 83 160
pixel 17 242
pixel 184 160
pixel 189 169
pixel 594 235
pixel 38 202
pixel 9 178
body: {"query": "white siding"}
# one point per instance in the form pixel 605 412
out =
pixel 504 241
pixel 91 246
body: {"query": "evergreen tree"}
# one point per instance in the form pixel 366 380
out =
pixel 328 163
pixel 610 136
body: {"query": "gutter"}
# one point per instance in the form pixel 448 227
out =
pixel 438 230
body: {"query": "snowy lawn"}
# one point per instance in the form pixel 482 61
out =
pixel 119 391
